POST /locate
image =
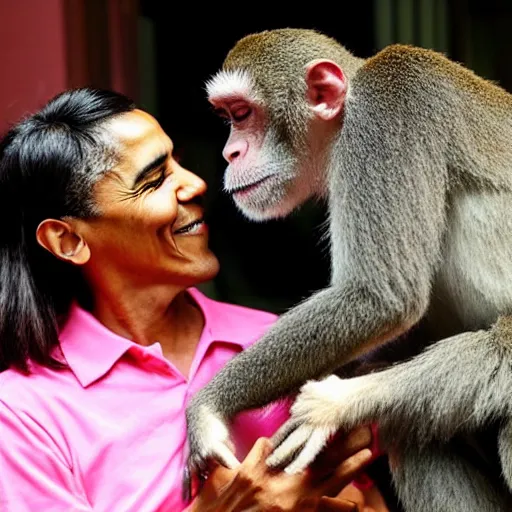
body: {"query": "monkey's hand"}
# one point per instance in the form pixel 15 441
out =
pixel 208 441
pixel 316 416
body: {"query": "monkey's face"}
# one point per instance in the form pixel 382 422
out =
pixel 281 136
pixel 269 169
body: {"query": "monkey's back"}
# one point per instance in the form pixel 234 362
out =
pixel 468 117
pixel 464 121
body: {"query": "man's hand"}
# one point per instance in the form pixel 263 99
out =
pixel 255 487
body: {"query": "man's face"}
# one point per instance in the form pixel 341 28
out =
pixel 150 228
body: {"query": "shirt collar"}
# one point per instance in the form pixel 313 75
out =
pixel 91 349
pixel 230 323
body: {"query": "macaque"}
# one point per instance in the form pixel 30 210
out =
pixel 413 153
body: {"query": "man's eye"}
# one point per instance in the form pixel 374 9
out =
pixel 240 114
pixel 155 183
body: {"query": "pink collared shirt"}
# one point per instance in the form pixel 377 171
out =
pixel 109 433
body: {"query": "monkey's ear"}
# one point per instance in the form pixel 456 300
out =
pixel 59 238
pixel 327 86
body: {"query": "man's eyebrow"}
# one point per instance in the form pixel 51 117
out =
pixel 148 169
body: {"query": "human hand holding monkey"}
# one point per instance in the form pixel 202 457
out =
pixel 252 486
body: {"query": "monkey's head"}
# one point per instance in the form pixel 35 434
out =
pixel 283 93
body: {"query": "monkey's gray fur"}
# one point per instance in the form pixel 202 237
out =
pixel 419 182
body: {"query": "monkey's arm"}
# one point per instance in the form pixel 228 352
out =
pixel 457 384
pixel 387 215
pixel 307 342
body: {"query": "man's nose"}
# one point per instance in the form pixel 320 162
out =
pixel 191 186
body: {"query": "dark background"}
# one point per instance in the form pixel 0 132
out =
pixel 275 264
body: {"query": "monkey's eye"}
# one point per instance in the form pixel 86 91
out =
pixel 220 112
pixel 240 114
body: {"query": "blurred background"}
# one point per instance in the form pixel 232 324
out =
pixel 160 53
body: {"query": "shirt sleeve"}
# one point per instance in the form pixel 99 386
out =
pixel 33 472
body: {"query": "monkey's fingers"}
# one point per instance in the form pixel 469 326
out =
pixel 283 432
pixel 197 468
pixel 289 447
pixel 186 485
pixel 314 445
pixel 194 468
pixel 225 456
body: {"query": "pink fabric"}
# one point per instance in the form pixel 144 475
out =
pixel 109 433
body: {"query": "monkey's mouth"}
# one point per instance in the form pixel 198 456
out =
pixel 246 189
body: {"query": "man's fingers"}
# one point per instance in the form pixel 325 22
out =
pixel 261 449
pixel 341 447
pixel 336 505
pixel 346 472
pixel 354 441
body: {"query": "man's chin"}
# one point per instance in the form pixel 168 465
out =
pixel 207 270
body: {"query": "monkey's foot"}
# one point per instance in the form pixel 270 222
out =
pixel 315 418
pixel 208 440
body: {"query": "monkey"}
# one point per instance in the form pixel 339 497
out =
pixel 412 153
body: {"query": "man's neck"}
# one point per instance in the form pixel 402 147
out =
pixel 163 314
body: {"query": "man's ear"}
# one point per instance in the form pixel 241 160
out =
pixel 326 88
pixel 59 238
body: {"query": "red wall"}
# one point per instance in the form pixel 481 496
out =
pixel 32 56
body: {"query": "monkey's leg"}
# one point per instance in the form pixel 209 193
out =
pixel 456 384
pixel 435 479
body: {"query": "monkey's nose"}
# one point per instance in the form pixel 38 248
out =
pixel 235 150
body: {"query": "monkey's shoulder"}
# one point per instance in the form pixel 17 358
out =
pixel 402 56
pixel 410 69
